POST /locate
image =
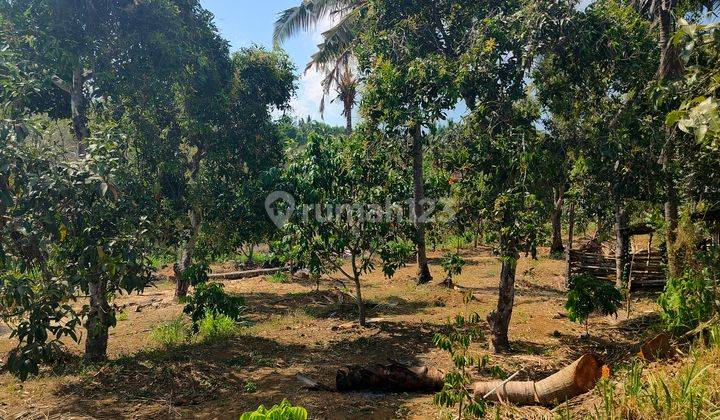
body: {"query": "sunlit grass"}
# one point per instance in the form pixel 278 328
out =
pixel 689 389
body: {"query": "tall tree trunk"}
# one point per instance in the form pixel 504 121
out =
pixel 99 313
pixel 186 258
pixel 568 251
pixel 98 322
pixel 622 248
pixel 78 106
pixel 348 119
pixel 557 247
pixel 182 284
pixel 499 319
pixel 423 275
pixel 670 68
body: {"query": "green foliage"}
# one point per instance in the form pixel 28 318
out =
pixel 356 183
pixel 171 333
pixel 395 254
pixel 698 113
pixel 67 229
pixel 250 386
pixel 692 298
pixel 214 326
pixel 278 277
pixel 687 389
pixel 210 299
pixel 196 274
pixel 587 295
pixel 453 264
pixel 284 411
pixel 456 390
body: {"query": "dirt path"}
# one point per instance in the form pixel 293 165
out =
pixel 299 330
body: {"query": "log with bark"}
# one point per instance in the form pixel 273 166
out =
pixel 239 275
pixel 394 377
pixel 571 381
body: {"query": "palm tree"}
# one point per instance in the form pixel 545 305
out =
pixel 670 68
pixel 335 58
pixel 334 55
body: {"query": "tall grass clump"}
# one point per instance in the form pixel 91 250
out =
pixel 215 327
pixel 172 333
pixel 689 389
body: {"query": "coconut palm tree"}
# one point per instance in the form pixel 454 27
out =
pixel 334 56
pixel 670 67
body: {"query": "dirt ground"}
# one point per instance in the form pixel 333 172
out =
pixel 296 329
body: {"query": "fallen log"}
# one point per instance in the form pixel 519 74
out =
pixel 571 381
pixel 239 275
pixel 394 377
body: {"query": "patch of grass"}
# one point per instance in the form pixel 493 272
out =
pixel 250 386
pixel 172 333
pixel 122 316
pixel 280 277
pixel 215 327
pixel 297 316
pixel 688 389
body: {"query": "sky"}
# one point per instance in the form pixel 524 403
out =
pixel 245 22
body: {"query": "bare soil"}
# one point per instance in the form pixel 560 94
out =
pixel 298 329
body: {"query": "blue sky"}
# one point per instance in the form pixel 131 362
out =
pixel 245 22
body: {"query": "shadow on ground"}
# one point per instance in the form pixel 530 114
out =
pixel 238 374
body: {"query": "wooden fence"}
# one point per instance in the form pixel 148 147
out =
pixel 647 268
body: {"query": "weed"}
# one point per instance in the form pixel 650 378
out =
pixel 686 390
pixel 171 333
pixel 250 386
pixel 279 278
pixel 216 327
pixel 211 298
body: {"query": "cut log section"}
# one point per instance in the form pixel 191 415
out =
pixel 656 348
pixel 239 275
pixel 394 377
pixel 573 380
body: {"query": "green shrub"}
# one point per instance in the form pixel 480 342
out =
pixel 284 411
pixel 196 274
pixel 211 298
pixel 457 389
pixel 687 301
pixel 216 326
pixel 250 386
pixel 170 334
pixel 280 277
pixel 452 263
pixel 587 295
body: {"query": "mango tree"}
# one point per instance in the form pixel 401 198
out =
pixel 342 188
